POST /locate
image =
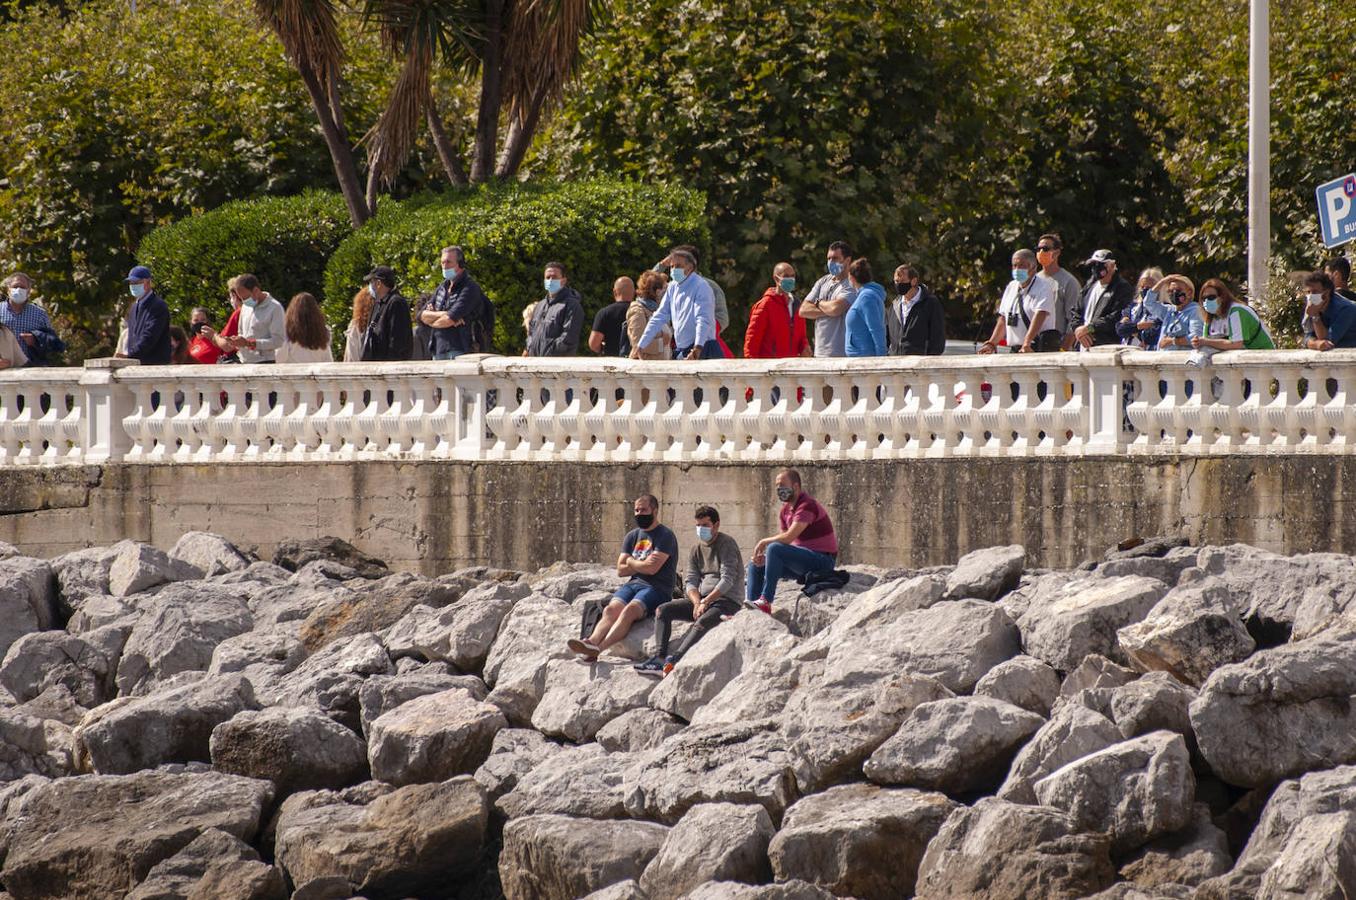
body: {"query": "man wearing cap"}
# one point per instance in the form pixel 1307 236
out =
pixel 390 336
pixel 148 339
pixel 1106 298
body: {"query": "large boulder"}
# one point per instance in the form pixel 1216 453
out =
pixel 1156 702
pixel 178 633
pixel 293 602
pixel 1084 616
pixel 1006 851
pixel 460 634
pixel 139 567
pixel 30 745
pixel 986 574
pixel 744 763
pixel 373 607
pixel 296 749
pixel 858 840
pixel 27 599
pixel 884 603
pixel 806 616
pixel 382 693
pixel 586 781
pixel 331 680
pixel 294 555
pixel 433 738
pixel 44 659
pixel 1022 681
pixel 210 554
pixel 213 865
pixel 1095 673
pixel 263 656
pixel 1280 713
pixel 711 842
pixel 1317 861
pixel 639 729
pixel 514 753
pixel 1073 732
pixel 1323 607
pixel 581 698
pixel 413 841
pixel 97 836
pixel 173 725
pixel 80 574
pixel 957 745
pixel 1187 857
pixel 1268 588
pixel 562 858
pixel 1133 791
pixel 720 656
pixel 760 691
pixel 1190 633
pixel 732 890
pixel 532 634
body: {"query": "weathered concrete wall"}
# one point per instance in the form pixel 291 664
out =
pixel 433 517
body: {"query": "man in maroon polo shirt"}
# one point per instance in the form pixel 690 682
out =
pixel 805 544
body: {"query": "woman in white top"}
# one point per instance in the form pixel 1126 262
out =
pixel 357 326
pixel 308 337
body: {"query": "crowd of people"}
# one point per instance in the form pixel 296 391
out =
pixel 716 582
pixel 674 311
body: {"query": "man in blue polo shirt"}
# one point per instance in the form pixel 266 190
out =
pixel 1329 318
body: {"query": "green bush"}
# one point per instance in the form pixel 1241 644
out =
pixel 599 229
pixel 286 241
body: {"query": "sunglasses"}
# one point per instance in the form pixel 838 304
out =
pixel 1046 249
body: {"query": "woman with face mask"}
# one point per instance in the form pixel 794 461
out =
pixel 1172 301
pixel 1230 324
pixel 649 291
pixel 1139 327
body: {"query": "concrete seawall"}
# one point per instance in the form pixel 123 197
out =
pixel 432 517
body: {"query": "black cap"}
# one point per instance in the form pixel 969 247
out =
pixel 384 273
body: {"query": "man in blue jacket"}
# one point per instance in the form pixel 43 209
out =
pixel 148 339
pixel 458 307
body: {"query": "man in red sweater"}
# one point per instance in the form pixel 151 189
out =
pixel 775 331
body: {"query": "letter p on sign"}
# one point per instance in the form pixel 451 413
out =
pixel 1337 210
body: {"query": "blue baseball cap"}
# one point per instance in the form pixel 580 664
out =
pixel 139 273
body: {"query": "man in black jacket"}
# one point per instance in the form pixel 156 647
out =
pixel 558 319
pixel 458 307
pixel 914 323
pixel 1106 297
pixel 389 334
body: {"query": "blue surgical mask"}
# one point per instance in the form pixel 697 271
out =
pixel 552 285
pixel 704 533
pixel 251 303
pixel 677 274
pixel 372 289
pixel 18 296
pixel 835 268
pixel 1211 305
pixel 137 290
pixel 787 285
pixel 1020 275
pixel 449 274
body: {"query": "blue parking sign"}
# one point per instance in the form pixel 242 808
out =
pixel 1337 210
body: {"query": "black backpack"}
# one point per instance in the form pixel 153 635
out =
pixel 482 329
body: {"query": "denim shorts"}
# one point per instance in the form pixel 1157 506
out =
pixel 644 592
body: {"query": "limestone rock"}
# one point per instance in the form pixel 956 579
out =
pixel 213 865
pixel 296 749
pixel 211 554
pixel 760 691
pixel 532 634
pixel 1188 857
pixel 179 632
pixel 1006 851
pixel 293 555
pixel 1153 703
pixel 711 842
pixel 1022 681
pixel 566 581
pixel 33 746
pixel 139 567
pixel 1084 618
pixel 42 660
pixel 98 835
pixel 56 703
pixel 744 763
pixel 1095 673
pixel 730 890
pixel 1280 713
pixel 717 659
pixel 290 602
pixel 82 573
pixel 1035 589
pixel 100 610
pixel 1268 588
pixel 382 693
pixel 514 753
pixel 413 841
pixel 872 610
pixel 957 745
pixel 858 840
pixel 622 890
pixel 254 578
pixel 263 656
pixel 561 858
pixel 581 698
pixel 374 607
pixel 27 599
pixel 433 738
pixel 173 725
pixel 986 574
pixel 460 634
pixel 639 729
pixel 1134 791
pixel 1189 633
pixel 1317 861
pixel 805 616
pixel 582 781
pixel 1072 733
pixel 332 679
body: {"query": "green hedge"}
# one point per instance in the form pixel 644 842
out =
pixel 286 241
pixel 599 228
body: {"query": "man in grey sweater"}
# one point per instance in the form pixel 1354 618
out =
pixel 715 584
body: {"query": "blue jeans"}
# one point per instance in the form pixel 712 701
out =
pixel 450 354
pixel 784 561
pixel 710 350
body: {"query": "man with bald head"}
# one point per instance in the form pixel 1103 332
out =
pixel 608 337
pixel 775 331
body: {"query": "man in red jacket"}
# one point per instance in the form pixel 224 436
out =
pixel 775 331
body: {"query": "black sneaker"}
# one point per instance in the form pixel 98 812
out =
pixel 652 666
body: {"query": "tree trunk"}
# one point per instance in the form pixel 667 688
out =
pixel 345 169
pixel 446 152
pixel 373 183
pixel 491 93
pixel 520 135
pixel 336 109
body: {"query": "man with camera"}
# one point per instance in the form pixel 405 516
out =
pixel 1026 314
pixel 1106 298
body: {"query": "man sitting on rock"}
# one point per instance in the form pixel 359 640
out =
pixel 805 545
pixel 650 556
pixel 715 581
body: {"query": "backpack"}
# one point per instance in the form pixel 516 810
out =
pixel 482 329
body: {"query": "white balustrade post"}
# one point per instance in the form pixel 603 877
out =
pixel 106 402
pixel 1106 399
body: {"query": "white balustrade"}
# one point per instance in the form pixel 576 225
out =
pixel 1110 401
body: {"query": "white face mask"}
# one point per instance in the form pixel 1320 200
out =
pixel 1313 299
pixel 18 296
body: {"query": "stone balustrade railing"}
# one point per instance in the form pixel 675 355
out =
pixel 1111 401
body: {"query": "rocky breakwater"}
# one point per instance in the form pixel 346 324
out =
pixel 1168 722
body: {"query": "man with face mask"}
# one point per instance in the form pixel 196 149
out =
pixel 649 557
pixel 28 321
pixel 914 322
pixel 1106 298
pixel 1049 248
pixel 689 304
pixel 262 330
pixel 715 582
pixel 1329 318
pixel 389 336
pixel 458 306
pixel 148 338
pixel 806 543
pixel 1026 311
pixel 558 319
pixel 775 331
pixel 829 300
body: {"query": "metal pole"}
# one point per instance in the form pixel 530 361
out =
pixel 1259 149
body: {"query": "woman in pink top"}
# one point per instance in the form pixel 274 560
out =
pixel 805 544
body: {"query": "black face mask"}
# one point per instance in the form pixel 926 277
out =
pixel 784 494
pixel 644 521
pixel 1179 297
pixel 903 287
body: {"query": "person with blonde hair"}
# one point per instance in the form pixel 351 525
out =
pixel 357 326
pixel 1139 326
pixel 649 291
pixel 1173 302
pixel 306 335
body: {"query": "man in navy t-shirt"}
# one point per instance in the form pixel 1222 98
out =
pixel 650 557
